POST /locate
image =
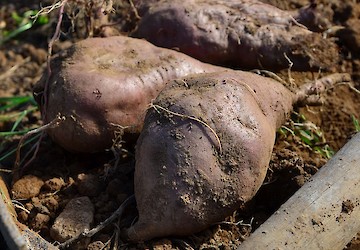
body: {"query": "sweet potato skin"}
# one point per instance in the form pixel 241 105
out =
pixel 246 33
pixel 105 85
pixel 185 178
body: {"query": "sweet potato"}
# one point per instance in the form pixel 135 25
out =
pixel 104 85
pixel 246 33
pixel 205 149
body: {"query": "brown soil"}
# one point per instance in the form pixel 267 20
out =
pixel 65 175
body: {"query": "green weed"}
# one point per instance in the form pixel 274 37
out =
pixel 13 110
pixel 10 112
pixel 24 22
pixel 309 134
pixel 356 123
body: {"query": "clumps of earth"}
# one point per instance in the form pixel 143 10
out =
pixel 61 194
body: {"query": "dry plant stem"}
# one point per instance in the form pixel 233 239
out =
pixel 157 107
pixel 309 93
pixel 351 87
pixel 269 74
pixel 291 64
pixel 36 147
pixel 116 237
pixel 116 215
pixel 134 10
pixel 50 46
pixel 21 208
pixel 41 129
pixel 46 10
pixel 183 244
pixel 5 170
pixel 239 223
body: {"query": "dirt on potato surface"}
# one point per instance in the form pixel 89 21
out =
pixel 57 176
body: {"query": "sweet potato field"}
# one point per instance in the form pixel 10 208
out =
pixel 193 124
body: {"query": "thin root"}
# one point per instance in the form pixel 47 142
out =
pixel 310 93
pixel 54 38
pixel 134 10
pixel 116 215
pixel 350 86
pixel 291 80
pixel 41 129
pixel 157 107
pixel 269 74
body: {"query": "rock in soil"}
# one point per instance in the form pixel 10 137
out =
pixel 96 245
pixel 35 241
pixel 163 245
pixel 27 187
pixel 76 217
pixel 54 184
pixel 39 221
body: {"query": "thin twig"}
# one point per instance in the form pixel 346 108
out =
pixel 116 237
pixel 35 149
pixel 54 38
pixel 350 86
pixel 297 23
pixel 107 243
pixel 291 80
pixel 51 124
pixel 157 107
pixel 183 244
pixel 5 170
pixel 270 74
pixel 134 10
pixel 46 10
pixel 20 206
pixel 56 121
pixel 117 214
pixel 239 223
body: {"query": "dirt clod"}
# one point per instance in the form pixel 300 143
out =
pixel 54 184
pixel 27 54
pixel 347 206
pixel 88 184
pixel 39 221
pixel 96 245
pixel 27 187
pixel 163 245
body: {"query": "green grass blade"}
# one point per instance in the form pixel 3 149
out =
pixel 9 153
pixel 4 118
pixel 356 123
pixel 17 122
pixel 4 134
pixel 15 98
pixel 11 102
pixel 16 32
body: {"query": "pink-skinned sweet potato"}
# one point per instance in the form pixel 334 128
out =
pixel 205 148
pixel 104 85
pixel 245 33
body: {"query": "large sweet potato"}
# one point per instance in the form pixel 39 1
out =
pixel 103 85
pixel 205 149
pixel 245 33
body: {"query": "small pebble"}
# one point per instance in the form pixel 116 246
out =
pixel 39 221
pixel 96 245
pixel 76 217
pixel 54 184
